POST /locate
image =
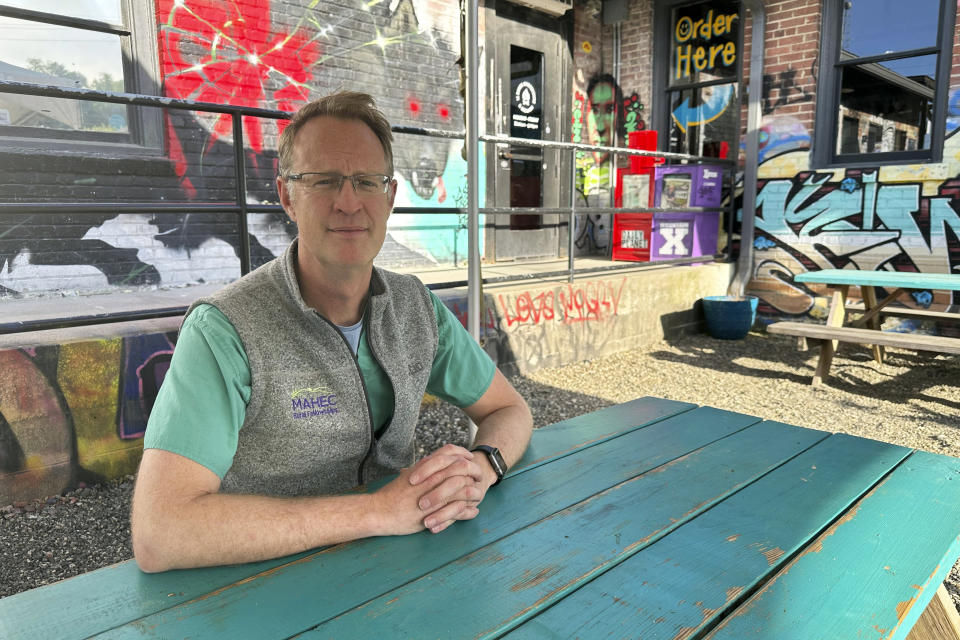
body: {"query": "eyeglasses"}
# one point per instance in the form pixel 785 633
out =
pixel 364 184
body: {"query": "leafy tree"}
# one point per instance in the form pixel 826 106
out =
pixel 54 68
pixel 97 116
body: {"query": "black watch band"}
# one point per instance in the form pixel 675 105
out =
pixel 496 461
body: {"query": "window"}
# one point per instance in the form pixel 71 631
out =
pixel 704 49
pixel 83 45
pixel 882 93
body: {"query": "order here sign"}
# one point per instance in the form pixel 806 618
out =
pixel 705 39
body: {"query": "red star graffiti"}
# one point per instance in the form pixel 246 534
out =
pixel 230 52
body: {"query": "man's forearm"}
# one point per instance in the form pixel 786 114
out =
pixel 217 528
pixel 180 519
pixel 503 421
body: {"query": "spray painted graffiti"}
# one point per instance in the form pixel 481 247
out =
pixel 953 110
pixel 608 117
pixel 274 54
pixel 279 57
pixel 817 221
pixel 781 134
pixel 588 302
pixel 787 91
pixel 75 412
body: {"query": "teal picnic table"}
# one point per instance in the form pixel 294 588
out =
pixel 648 519
pixel 866 329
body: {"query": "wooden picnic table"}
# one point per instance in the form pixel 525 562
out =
pixel 866 328
pixel 649 519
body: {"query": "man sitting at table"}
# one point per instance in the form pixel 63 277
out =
pixel 302 380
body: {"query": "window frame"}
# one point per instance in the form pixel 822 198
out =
pixel 827 120
pixel 138 48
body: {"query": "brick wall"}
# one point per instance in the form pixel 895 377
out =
pixel 636 53
pixel 790 60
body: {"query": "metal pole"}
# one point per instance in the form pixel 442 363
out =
pixel 472 140
pixel 241 173
pixel 573 214
pixel 473 158
pixel 752 157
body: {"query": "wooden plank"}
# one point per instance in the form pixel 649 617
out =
pixel 873 572
pixel 939 621
pixel 915 341
pixel 89 603
pixel 908 312
pixel 293 597
pixel 112 596
pixel 885 279
pixel 835 318
pixel 565 437
pixel 873 321
pixel 498 587
pixel 680 586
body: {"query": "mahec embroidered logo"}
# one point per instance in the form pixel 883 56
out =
pixel 315 401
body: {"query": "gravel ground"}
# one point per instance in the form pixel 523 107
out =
pixel 910 400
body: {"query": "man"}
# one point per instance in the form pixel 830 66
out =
pixel 303 380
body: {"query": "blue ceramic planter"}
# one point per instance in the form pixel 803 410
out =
pixel 730 317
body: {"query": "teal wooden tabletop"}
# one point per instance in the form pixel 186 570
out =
pixel 652 518
pixel 886 279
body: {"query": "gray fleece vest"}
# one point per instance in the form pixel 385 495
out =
pixel 308 428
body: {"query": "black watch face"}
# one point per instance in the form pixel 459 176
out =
pixel 497 460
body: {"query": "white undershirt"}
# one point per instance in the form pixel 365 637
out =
pixel 352 334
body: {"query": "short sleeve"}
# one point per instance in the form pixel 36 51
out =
pixel 462 371
pixel 202 401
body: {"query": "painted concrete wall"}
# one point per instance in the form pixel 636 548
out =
pixel 74 403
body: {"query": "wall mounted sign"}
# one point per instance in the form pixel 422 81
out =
pixel 526 90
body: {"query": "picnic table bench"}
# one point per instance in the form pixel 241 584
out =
pixel 866 329
pixel 648 519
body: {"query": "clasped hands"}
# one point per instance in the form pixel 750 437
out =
pixel 438 490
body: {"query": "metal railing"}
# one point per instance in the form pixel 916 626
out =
pixel 241 208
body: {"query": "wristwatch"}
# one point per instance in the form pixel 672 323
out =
pixel 496 461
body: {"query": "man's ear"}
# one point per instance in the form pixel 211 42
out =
pixel 393 195
pixel 286 199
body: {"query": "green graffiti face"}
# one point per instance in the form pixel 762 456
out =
pixel 603 114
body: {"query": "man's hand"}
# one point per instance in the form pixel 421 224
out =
pixel 453 481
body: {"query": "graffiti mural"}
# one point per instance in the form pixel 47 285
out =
pixel 550 326
pixel 780 134
pixel 274 54
pixel 607 117
pixel 784 85
pixel 865 219
pixel 75 412
pixel 280 57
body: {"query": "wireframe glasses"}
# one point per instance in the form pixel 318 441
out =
pixel 364 184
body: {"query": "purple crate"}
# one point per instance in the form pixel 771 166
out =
pixel 684 235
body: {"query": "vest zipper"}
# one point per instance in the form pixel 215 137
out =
pixel 363 385
pixel 373 431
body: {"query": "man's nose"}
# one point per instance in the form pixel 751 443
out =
pixel 347 199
